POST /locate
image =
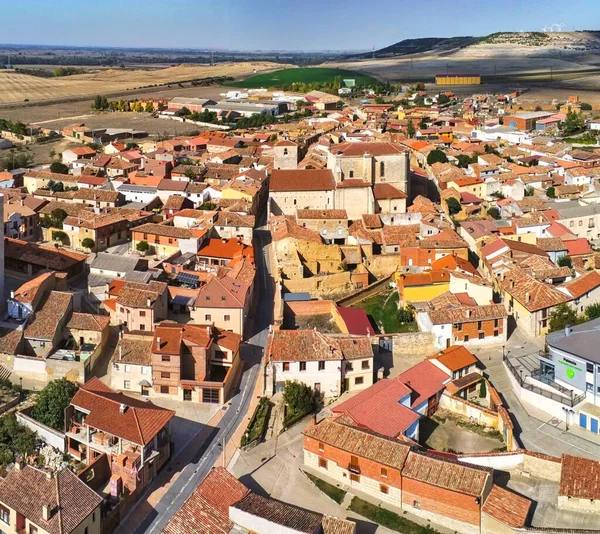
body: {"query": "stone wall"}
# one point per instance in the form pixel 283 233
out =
pixel 321 286
pixel 413 343
pixel 542 465
pixel 50 436
pixel 384 265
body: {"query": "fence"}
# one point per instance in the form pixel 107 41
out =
pixel 568 401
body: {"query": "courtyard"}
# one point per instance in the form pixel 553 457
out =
pixel 382 309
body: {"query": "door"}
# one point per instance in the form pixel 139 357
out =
pixel 582 420
pixel 432 405
pixel 594 425
pixel 145 391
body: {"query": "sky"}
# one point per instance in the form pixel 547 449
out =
pixel 278 24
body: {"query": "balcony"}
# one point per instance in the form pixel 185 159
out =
pixel 354 469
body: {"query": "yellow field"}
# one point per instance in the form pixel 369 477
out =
pixel 15 88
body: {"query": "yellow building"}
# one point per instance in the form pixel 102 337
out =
pixel 423 286
pixel 458 79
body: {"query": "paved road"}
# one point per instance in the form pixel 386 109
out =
pixel 209 450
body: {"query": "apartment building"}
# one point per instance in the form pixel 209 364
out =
pixel 195 363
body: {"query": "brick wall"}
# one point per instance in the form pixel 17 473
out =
pixel 368 468
pixel 448 506
pixel 472 330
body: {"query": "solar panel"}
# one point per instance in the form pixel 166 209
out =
pixel 189 279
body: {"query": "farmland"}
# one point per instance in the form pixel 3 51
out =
pixel 17 88
pixel 306 75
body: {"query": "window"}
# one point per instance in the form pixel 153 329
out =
pixel 226 318
pixel 286 366
pixel 365 364
pixel 321 446
pixel 127 368
pixel 165 358
pixel 466 339
pixel 382 169
pixel 145 370
pixel 170 241
pixel 85 530
pixel 358 380
pixel 481 335
pixel 302 366
pixel 34 530
pixel 495 333
pixel 142 327
pixel 349 367
pixel 321 366
pixel 478 325
pixel 220 355
pixel 355 478
pixel 495 323
pixel 589 367
pixel 459 327
pixel 589 387
pixel 165 375
pixel 208 317
pixel 417 505
pixel 4 515
pixel 210 396
pixel 580 223
pixel 322 463
pixel 384 489
pixel 384 472
pixel 351 174
pixel 126 384
pixel 142 313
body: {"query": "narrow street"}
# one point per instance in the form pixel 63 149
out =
pixel 189 466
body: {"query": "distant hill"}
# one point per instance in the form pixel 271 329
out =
pixel 416 46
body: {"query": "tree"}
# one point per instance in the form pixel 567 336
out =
pixel 142 247
pixel 562 316
pixel 58 215
pixel 498 194
pixel 59 168
pixel 443 99
pixel 574 123
pixel 149 107
pixel 565 261
pixel 423 124
pixel 50 406
pixel 88 243
pixel 299 397
pixel 419 86
pixel 97 104
pixel 436 156
pixel 454 206
pixel 56 187
pixel 410 129
pixel 551 192
pixel 529 191
pixel 494 213
pixel 59 235
pixel 139 107
pixel 405 315
pixel 183 112
pixel 585 106
pixel 463 161
pixel 538 108
pixel 482 390
pixel 593 311
pixel 15 440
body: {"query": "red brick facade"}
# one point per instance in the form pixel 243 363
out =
pixel 368 468
pixel 440 501
pixel 474 328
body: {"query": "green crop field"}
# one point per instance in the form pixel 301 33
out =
pixel 318 75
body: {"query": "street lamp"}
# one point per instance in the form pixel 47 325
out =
pixel 568 411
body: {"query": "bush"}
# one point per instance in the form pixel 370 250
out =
pixel 15 440
pixel 50 406
pixel 551 192
pixel 299 399
pixel 494 213
pixel 482 389
pixel 258 423
pixel 565 261
pixel 562 316
pixel 59 168
pixel 59 235
pixel 88 243
pixel 454 206
pixel 142 247
pixel 593 311
pixel 405 315
pixel 436 156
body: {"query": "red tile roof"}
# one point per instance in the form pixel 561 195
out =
pixel 302 180
pixel 455 358
pixel 583 284
pixel 374 149
pixel 207 509
pixel 379 410
pixel 507 507
pixel 425 380
pixel 140 422
pixel 387 191
pixel 356 320
pixel 578 246
pixel 579 478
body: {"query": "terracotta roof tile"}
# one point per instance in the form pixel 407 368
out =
pixel 455 358
pixel 579 478
pixel 507 507
pixel 302 180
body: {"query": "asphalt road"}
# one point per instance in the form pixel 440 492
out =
pixel 203 461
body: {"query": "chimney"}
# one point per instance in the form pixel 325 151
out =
pixel 148 302
pixel 122 408
pixel 568 330
pixel 208 330
pixel 314 420
pixel 527 298
pixel 46 512
pixel 157 343
pixel 12 294
pixel 224 240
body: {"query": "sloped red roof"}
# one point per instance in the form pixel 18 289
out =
pixel 425 380
pixel 378 408
pixel 357 321
pixel 139 423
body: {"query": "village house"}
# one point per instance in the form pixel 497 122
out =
pixel 290 190
pixel 133 434
pixel 132 366
pixel 329 364
pixel 195 363
pixel 166 240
